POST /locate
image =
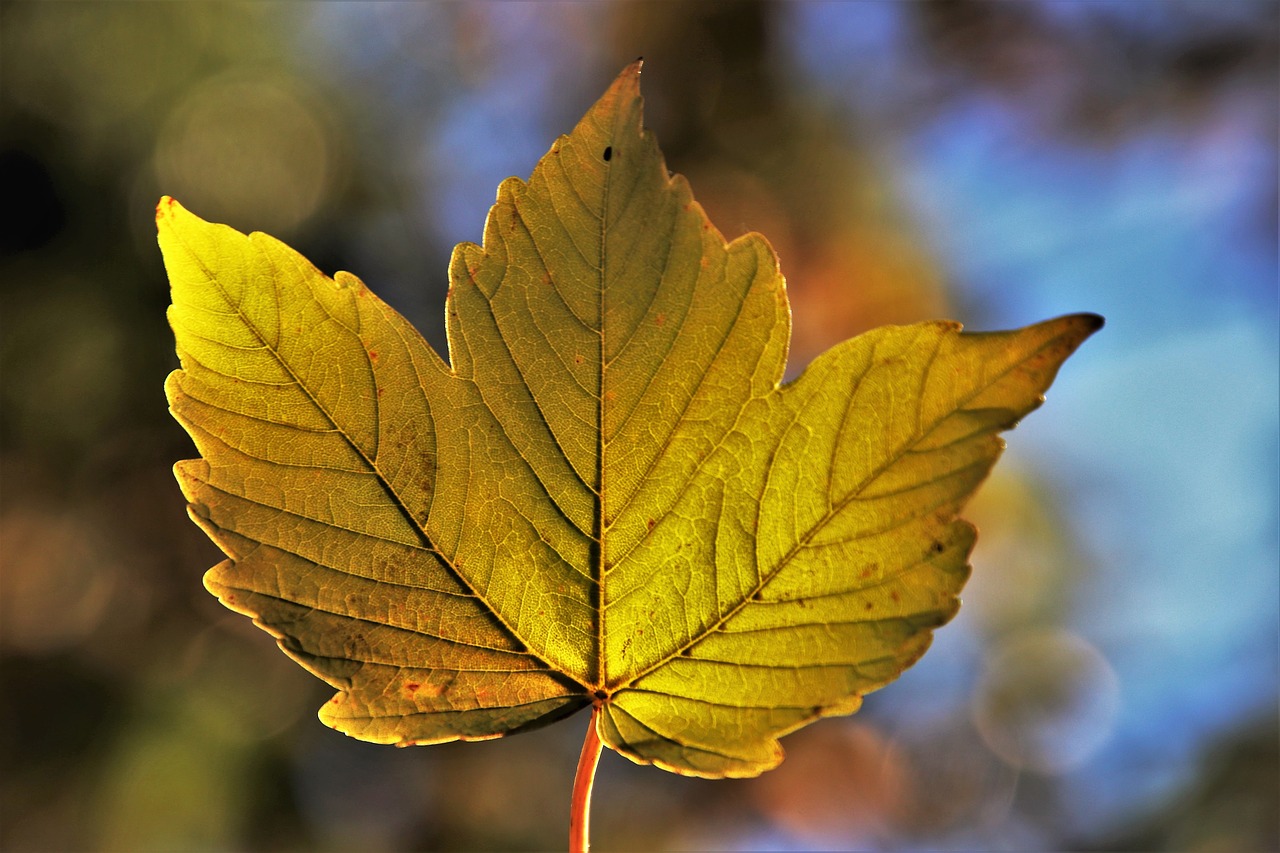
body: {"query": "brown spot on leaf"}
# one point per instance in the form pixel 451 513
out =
pixel 412 686
pixel 893 593
pixel 661 319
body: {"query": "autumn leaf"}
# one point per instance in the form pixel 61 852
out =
pixel 605 497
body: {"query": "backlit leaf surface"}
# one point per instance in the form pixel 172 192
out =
pixel 605 495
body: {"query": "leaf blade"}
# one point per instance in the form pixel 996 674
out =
pixel 606 495
pixel 822 556
pixel 369 519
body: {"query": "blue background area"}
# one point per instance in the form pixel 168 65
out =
pixel 1168 456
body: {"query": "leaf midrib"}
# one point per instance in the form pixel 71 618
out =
pixel 599 533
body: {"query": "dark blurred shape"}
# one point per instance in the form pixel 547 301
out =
pixel 997 43
pixel 360 795
pixel 1102 68
pixel 51 730
pixel 32 213
pixel 1207 64
pixel 706 73
pixel 1232 806
pixel 64 362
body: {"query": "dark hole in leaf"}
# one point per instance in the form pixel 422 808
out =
pixel 608 153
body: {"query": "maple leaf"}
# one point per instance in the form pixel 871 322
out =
pixel 606 497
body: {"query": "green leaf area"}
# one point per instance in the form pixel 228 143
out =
pixel 606 495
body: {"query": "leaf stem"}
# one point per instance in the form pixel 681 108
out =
pixel 580 810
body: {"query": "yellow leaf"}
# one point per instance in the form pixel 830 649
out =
pixel 606 496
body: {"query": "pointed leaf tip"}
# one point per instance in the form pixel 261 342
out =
pixel 627 81
pixel 169 210
pixel 1084 324
pixel 162 207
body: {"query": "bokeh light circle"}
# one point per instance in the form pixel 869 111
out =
pixel 248 150
pixel 1046 701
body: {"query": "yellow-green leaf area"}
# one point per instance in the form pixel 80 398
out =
pixel 605 495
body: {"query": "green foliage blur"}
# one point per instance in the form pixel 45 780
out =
pixel 138 715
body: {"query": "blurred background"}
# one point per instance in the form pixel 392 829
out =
pixel 1111 683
